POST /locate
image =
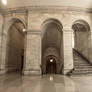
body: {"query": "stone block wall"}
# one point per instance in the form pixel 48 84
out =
pixel 34 36
pixel 83 44
pixel 68 55
pixel 15 47
pixel 1 34
pixel 33 53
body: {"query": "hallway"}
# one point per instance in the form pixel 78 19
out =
pixel 56 83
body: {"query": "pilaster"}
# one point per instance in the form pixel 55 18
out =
pixel 33 53
pixel 68 53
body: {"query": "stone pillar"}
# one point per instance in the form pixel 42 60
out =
pixel 33 53
pixel 90 46
pixel 68 54
pixel 2 46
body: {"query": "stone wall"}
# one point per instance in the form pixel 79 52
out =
pixel 15 47
pixel 36 18
pixel 1 28
pixel 33 53
pixel 83 44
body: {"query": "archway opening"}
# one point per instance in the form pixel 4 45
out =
pixel 81 38
pixel 51 67
pixel 52 45
pixel 15 47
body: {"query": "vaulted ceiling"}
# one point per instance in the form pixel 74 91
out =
pixel 74 3
pixel 52 37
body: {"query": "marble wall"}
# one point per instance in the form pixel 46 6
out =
pixel 33 40
pixel 1 28
pixel 33 53
pixel 15 48
pixel 83 44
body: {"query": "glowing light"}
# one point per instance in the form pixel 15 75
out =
pixel 51 60
pixel 73 43
pixel 24 30
pixel 51 78
pixel 4 2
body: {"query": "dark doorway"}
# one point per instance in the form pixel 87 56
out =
pixel 51 66
pixel 22 62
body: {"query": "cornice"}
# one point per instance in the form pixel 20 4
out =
pixel 45 9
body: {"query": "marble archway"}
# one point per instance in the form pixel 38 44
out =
pixel 52 43
pixel 14 45
pixel 82 38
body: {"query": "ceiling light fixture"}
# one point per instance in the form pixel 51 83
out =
pixel 4 2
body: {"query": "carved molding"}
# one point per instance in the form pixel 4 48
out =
pixel 46 9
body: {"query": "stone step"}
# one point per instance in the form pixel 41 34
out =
pixel 83 66
pixel 80 74
pixel 82 63
pixel 77 72
pixel 90 69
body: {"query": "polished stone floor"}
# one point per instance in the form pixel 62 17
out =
pixel 46 83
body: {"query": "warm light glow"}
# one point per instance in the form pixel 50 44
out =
pixel 24 30
pixel 51 78
pixel 73 40
pixel 51 60
pixel 4 2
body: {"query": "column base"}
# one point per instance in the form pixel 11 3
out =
pixel 32 72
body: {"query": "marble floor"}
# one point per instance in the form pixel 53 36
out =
pixel 47 83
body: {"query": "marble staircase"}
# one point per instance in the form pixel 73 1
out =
pixel 81 65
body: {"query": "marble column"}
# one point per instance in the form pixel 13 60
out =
pixel 33 53
pixel 2 46
pixel 68 54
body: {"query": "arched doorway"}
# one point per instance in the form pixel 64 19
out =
pixel 81 38
pixel 51 65
pixel 52 46
pixel 15 47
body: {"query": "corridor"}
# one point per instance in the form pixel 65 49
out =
pixel 56 83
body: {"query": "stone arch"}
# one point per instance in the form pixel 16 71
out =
pixel 55 29
pixel 55 62
pixel 11 22
pixel 48 54
pixel 48 21
pixel 81 22
pixel 7 26
pixel 82 37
